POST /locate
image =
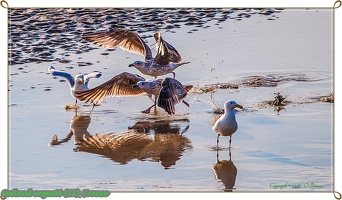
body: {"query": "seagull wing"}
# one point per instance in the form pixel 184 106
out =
pixel 91 75
pixel 124 38
pixel 216 118
pixel 171 93
pixel 62 74
pixel 165 52
pixel 119 85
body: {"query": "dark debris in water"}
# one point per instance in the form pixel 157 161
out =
pixel 212 87
pixel 71 107
pixel 36 33
pixel 217 148
pixel 327 98
pixel 278 100
pixel 272 80
pixel 82 64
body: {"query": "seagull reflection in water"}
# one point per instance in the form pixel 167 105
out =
pixel 225 172
pixel 150 140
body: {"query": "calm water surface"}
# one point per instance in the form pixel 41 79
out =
pixel 157 152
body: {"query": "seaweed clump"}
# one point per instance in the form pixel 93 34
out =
pixel 278 99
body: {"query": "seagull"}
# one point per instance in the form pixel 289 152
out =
pixel 226 124
pixel 79 83
pixel 168 91
pixel 165 62
pixel 171 93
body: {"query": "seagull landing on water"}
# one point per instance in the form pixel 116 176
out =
pixel 79 83
pixel 226 124
pixel 168 91
pixel 165 62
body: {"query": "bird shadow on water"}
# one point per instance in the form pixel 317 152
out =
pixel 225 172
pixel 159 140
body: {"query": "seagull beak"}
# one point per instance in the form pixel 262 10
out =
pixel 183 63
pixel 239 106
pixel 130 65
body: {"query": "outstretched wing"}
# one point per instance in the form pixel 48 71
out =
pixel 62 74
pixel 171 93
pixel 119 85
pixel 165 52
pixel 91 75
pixel 124 38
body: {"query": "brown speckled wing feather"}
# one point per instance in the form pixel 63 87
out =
pixel 127 40
pixel 215 119
pixel 172 92
pixel 165 52
pixel 119 85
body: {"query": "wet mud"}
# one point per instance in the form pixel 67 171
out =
pixel 36 35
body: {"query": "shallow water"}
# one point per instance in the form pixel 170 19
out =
pixel 291 147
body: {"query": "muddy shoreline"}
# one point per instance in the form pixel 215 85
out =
pixel 36 34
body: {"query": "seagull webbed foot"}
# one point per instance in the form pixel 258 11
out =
pixel 148 110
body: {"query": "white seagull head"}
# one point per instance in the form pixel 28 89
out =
pixel 230 105
pixel 137 64
pixel 150 87
pixel 79 79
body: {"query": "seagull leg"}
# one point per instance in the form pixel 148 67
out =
pixel 230 141
pixel 150 96
pixel 155 105
pixel 148 110
pixel 217 141
pixel 174 74
pixel 186 103
pixel 76 102
pixel 92 107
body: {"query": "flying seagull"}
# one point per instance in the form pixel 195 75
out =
pixel 168 92
pixel 165 62
pixel 79 83
pixel 226 124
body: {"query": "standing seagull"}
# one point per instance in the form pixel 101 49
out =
pixel 226 124
pixel 127 84
pixel 165 62
pixel 79 83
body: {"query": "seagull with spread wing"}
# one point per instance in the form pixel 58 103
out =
pixel 165 62
pixel 77 83
pixel 168 92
